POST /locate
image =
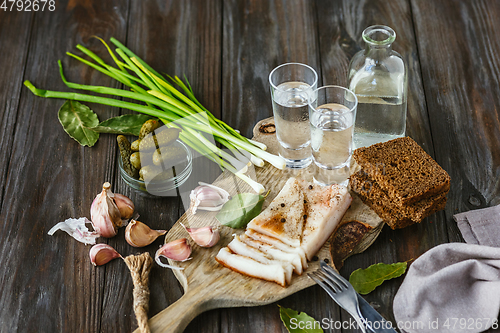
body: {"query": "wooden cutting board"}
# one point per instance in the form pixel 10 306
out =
pixel 208 285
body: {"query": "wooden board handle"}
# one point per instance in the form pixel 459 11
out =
pixel 178 315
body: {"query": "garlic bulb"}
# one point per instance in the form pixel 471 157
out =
pixel 104 213
pixel 208 197
pixel 139 234
pixel 125 205
pixel 101 254
pixel 178 250
pixel 204 237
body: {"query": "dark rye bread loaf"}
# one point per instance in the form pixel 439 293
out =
pixel 396 216
pixel 403 170
pixel 396 223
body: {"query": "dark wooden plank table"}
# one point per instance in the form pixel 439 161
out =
pixel 226 49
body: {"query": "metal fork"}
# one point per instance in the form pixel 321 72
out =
pixel 340 290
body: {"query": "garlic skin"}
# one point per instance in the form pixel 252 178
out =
pixel 139 234
pixel 125 205
pixel 208 197
pixel 101 254
pixel 105 215
pixel 178 250
pixel 205 236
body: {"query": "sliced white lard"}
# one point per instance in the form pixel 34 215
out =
pixel 276 254
pixel 245 265
pixel 325 207
pixel 238 247
pixel 278 244
pixel 284 217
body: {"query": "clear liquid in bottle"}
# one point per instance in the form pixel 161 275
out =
pixel 378 78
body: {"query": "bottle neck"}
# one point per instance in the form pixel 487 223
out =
pixel 378 40
pixel 378 52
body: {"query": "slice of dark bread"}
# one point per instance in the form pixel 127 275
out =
pixel 403 170
pixel 361 184
pixel 402 222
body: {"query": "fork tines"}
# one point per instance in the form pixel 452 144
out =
pixel 334 275
pixel 325 282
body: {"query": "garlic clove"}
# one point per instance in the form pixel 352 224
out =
pixel 139 234
pixel 104 213
pixel 204 237
pixel 178 250
pixel 125 205
pixel 208 197
pixel 101 254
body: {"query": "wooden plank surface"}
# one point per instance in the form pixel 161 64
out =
pixel 226 49
pixel 462 90
pixel 47 284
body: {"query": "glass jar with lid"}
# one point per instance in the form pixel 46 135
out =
pixel 378 77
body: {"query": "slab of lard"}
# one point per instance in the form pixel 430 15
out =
pixel 324 206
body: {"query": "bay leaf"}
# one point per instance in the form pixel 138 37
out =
pixel 237 212
pixel 366 280
pixel 128 124
pixel 78 120
pixel 299 322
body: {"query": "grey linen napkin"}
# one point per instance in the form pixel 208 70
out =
pixel 455 287
pixel 480 226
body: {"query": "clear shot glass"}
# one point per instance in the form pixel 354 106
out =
pixel 332 115
pixel 292 87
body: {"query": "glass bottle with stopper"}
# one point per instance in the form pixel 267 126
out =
pixel 378 77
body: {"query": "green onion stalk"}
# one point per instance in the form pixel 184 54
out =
pixel 156 96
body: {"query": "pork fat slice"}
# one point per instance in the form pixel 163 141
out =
pixel 292 258
pixel 325 207
pixel 238 247
pixel 270 272
pixel 284 218
pixel 288 233
pixel 279 245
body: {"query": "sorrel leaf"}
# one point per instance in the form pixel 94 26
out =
pixel 238 211
pixel 299 322
pixel 128 124
pixel 366 280
pixel 78 120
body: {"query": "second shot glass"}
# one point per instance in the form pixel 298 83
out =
pixel 332 115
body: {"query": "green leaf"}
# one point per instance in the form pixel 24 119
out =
pixel 299 323
pixel 366 280
pixel 77 120
pixel 238 211
pixel 128 124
